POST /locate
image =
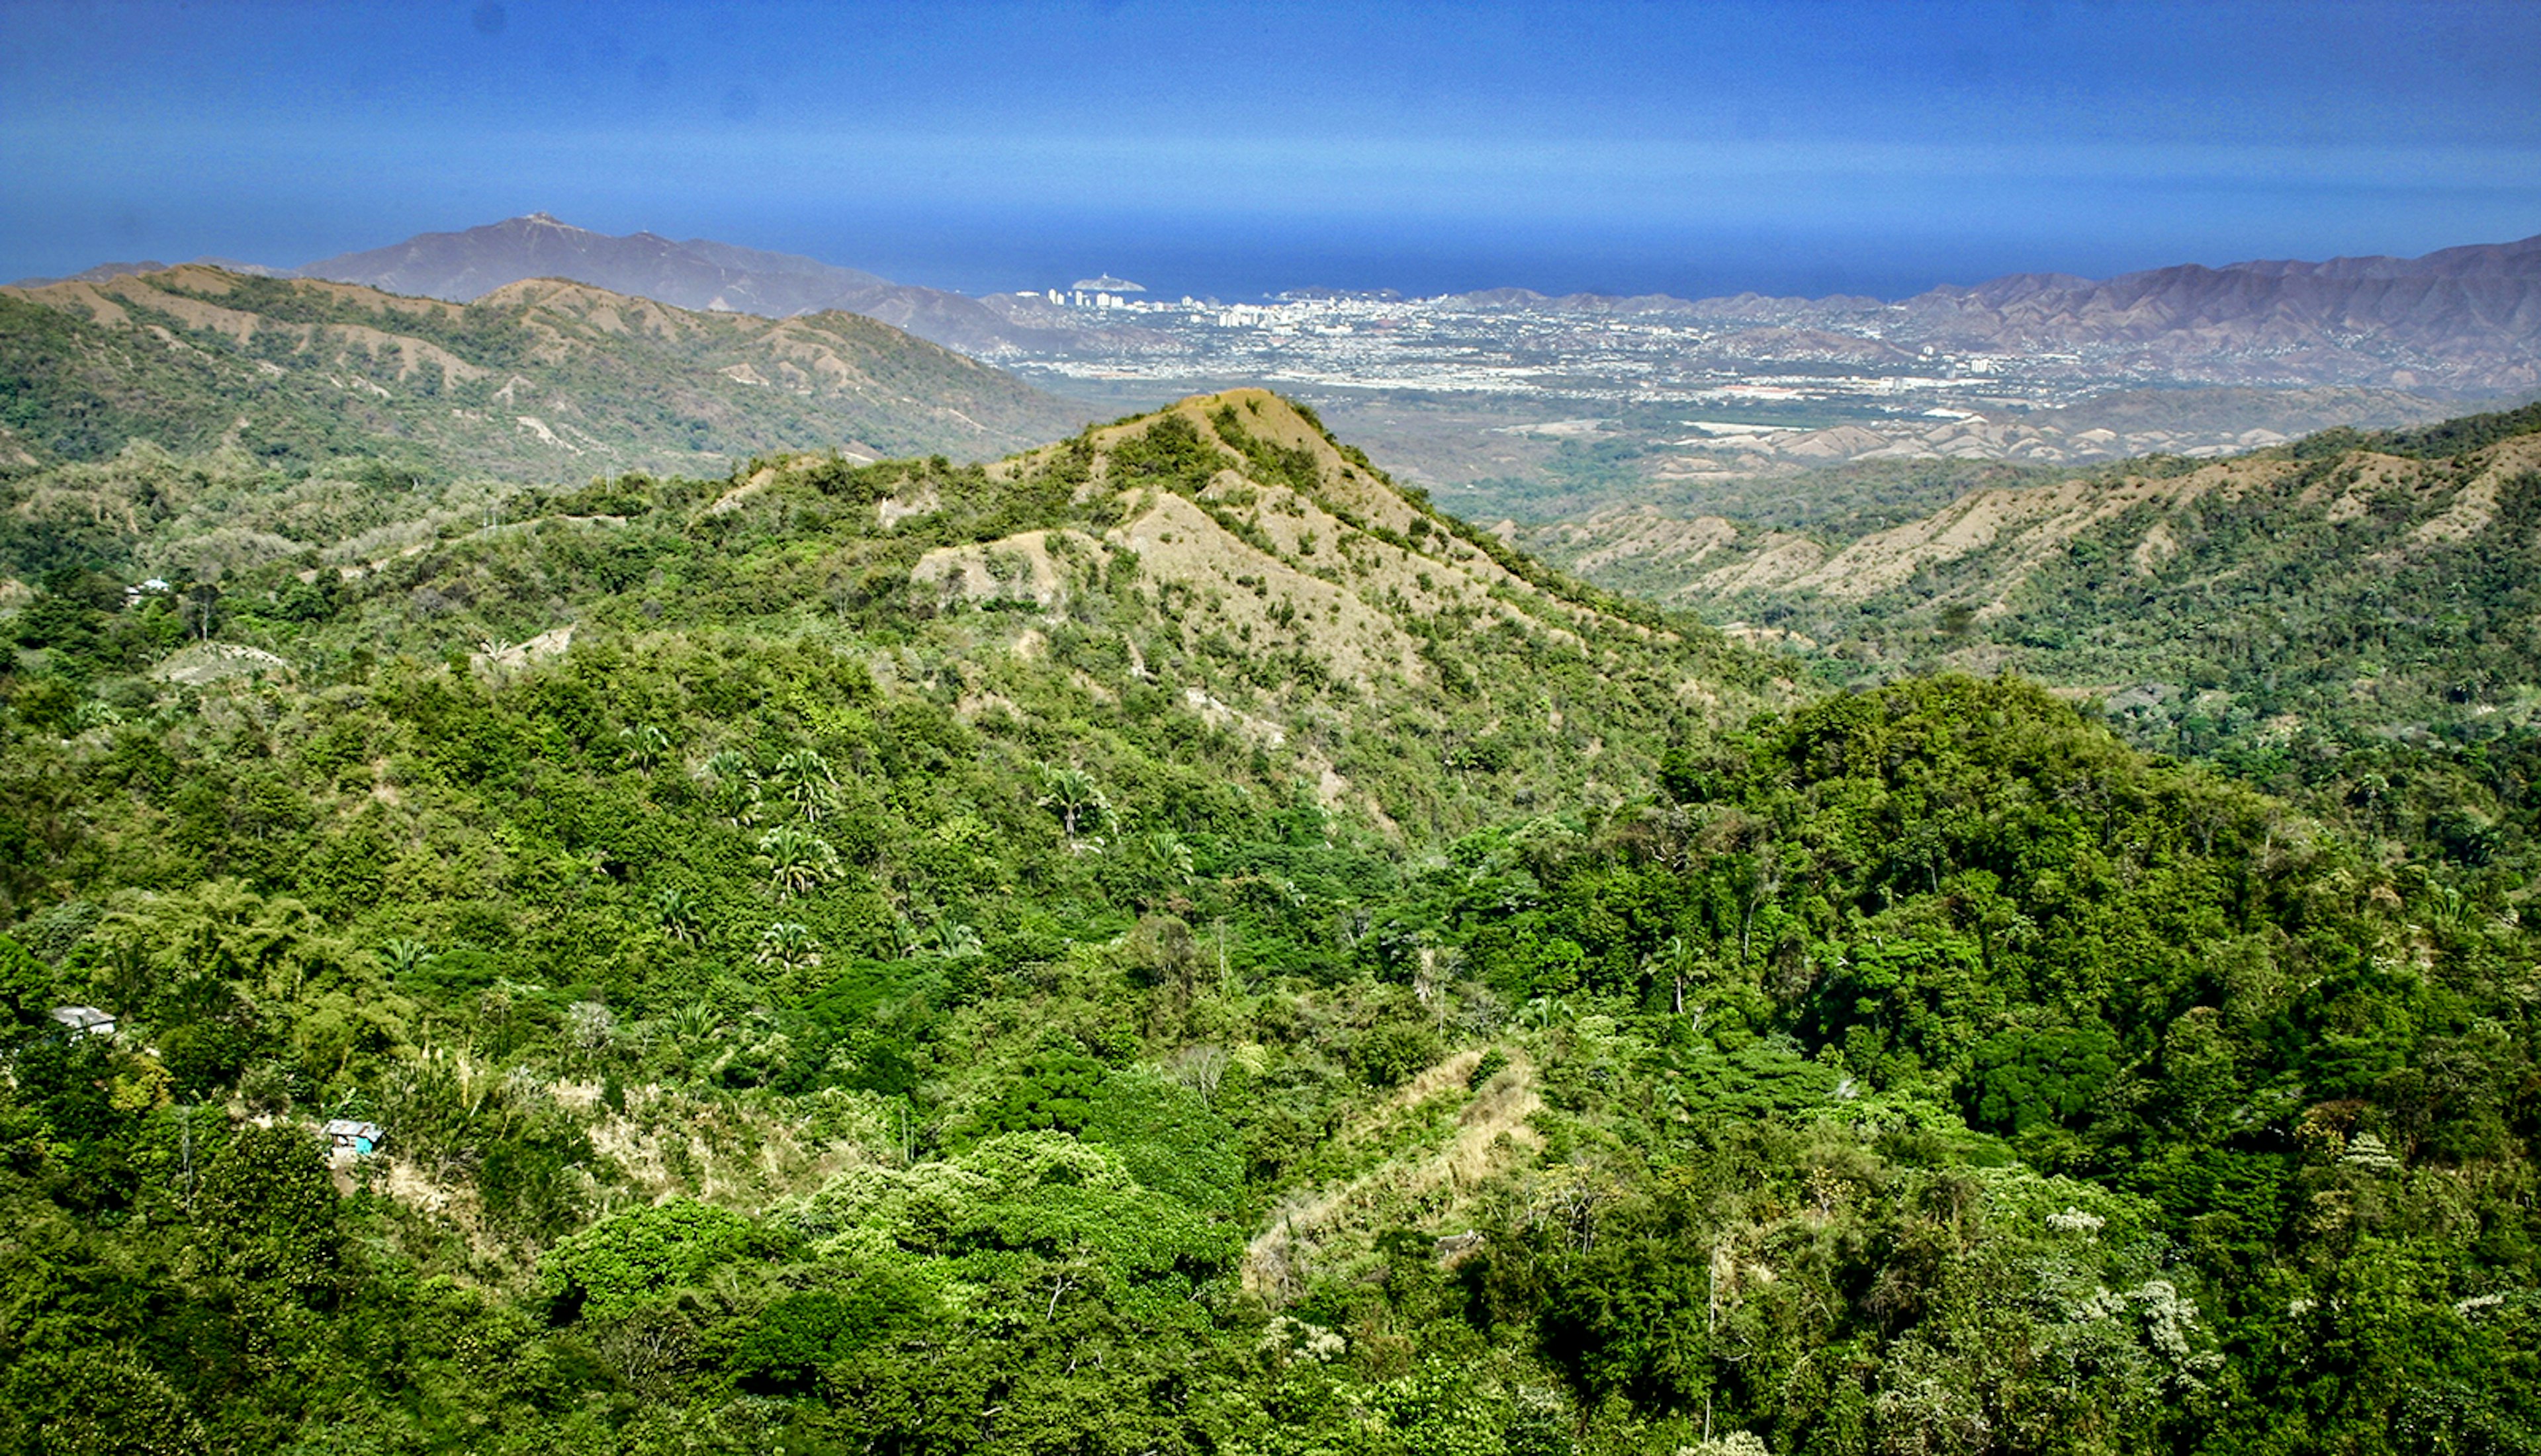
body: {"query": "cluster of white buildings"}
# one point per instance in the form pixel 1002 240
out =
pixel 1108 292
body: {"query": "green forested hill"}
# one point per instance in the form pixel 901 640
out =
pixel 538 380
pixel 2350 617
pixel 1164 944
pixel 2376 581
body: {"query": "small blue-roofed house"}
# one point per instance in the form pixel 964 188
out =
pixel 345 1135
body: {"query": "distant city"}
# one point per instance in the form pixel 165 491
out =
pixel 1831 389
pixel 1512 394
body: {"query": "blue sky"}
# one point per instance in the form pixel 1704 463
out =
pixel 1236 150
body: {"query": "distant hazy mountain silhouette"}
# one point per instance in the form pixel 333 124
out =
pixel 2465 320
pixel 699 274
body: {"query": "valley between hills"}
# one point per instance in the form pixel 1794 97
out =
pixel 586 874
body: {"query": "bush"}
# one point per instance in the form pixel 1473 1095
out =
pixel 634 1259
pixel 1389 1055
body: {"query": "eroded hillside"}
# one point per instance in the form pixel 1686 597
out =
pixel 1223 562
pixel 1278 586
pixel 2380 580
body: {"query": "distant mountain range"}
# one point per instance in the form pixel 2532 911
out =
pixel 2463 321
pixel 538 379
pixel 2466 319
pixel 104 271
pixel 696 274
pixel 699 273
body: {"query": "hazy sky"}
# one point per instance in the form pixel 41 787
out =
pixel 1809 147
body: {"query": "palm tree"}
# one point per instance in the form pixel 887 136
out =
pixel 693 1022
pixel 1073 792
pixel 675 911
pixel 1543 1010
pixel 646 745
pixel 804 778
pixel 953 941
pixel 788 945
pixel 733 783
pixel 796 863
pixel 1169 856
pixel 405 957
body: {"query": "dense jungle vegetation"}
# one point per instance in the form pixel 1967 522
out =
pixel 815 1009
pixel 2347 622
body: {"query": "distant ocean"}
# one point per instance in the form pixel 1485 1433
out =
pixel 1241 260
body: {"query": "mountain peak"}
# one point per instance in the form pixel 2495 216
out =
pixel 1267 578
